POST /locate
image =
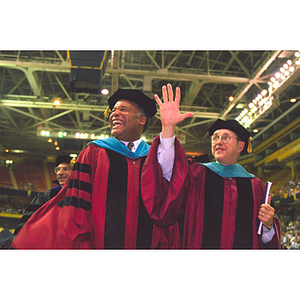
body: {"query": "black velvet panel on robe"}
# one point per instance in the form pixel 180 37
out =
pixel 115 219
pixel 243 238
pixel 213 213
pixel 145 223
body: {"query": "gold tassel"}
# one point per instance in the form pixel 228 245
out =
pixel 106 113
pixel 72 161
pixel 249 149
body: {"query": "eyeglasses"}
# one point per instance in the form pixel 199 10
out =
pixel 58 169
pixel 225 138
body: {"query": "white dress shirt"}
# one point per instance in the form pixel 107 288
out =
pixel 135 143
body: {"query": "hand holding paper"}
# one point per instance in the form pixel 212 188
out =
pixel 266 212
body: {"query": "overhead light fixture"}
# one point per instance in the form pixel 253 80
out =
pixel 62 134
pixel 287 74
pixel 258 107
pixel 45 132
pixel 267 99
pixel 70 134
pixel 105 92
pixel 264 93
pixel 57 148
pixel 17 151
pixel 293 100
pixel 51 133
pixel 81 135
pixel 103 136
pixel 57 101
pixel 231 98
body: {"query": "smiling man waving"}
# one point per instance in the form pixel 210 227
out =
pixel 101 208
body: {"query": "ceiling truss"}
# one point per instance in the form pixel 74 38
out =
pixel 30 80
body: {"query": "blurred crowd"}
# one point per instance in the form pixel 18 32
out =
pixel 290 232
pixel 291 188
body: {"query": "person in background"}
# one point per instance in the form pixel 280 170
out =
pixel 6 238
pixel 221 201
pixel 101 208
pixel 63 167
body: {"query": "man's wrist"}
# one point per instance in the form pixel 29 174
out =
pixel 268 227
pixel 168 132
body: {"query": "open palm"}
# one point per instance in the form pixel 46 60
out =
pixel 169 108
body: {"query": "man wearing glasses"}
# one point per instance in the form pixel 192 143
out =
pixel 62 170
pixel 222 203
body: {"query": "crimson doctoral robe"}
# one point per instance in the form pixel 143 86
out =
pixel 100 207
pixel 219 212
pixel 39 200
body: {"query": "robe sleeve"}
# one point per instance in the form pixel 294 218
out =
pixel 64 221
pixel 275 243
pixel 162 199
pixel 39 200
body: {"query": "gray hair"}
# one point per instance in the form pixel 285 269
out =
pixel 141 112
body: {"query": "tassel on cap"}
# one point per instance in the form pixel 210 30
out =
pixel 249 148
pixel 106 113
pixel 72 161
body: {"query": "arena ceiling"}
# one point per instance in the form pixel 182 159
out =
pixel 31 80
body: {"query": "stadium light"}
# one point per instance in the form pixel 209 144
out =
pixel 267 100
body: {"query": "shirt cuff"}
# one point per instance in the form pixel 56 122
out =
pixel 167 143
pixel 267 234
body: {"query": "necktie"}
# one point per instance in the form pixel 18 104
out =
pixel 130 145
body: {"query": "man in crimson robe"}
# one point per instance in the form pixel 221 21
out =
pixel 101 206
pixel 63 167
pixel 222 203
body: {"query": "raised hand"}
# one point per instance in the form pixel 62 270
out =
pixel 169 110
